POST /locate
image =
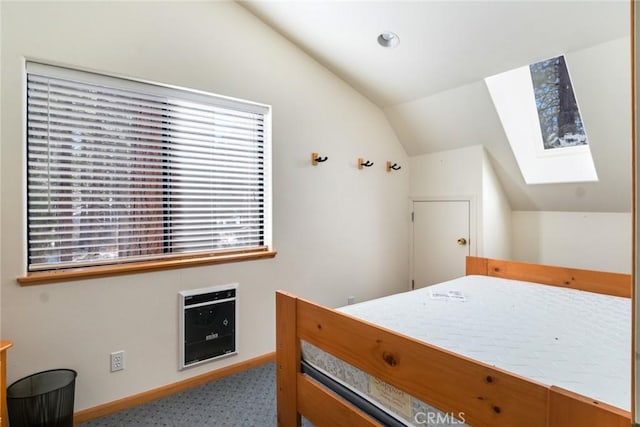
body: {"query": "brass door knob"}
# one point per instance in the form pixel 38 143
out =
pixel 462 241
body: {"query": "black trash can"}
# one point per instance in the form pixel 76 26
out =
pixel 44 399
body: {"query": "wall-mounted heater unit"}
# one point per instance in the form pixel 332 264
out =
pixel 208 324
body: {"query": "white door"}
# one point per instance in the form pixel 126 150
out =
pixel 440 241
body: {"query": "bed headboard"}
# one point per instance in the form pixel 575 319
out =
pixel 601 282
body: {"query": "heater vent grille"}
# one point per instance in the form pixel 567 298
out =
pixel 208 324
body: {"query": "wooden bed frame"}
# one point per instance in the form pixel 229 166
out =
pixel 455 384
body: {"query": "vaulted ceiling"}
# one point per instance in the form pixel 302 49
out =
pixel 431 85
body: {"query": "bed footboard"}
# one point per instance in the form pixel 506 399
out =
pixel 476 393
pixel 297 393
pixel 601 282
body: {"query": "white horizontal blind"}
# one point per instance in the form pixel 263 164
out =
pixel 120 171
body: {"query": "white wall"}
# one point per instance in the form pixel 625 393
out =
pixel 445 173
pixel 591 240
pixel 452 174
pixel 338 231
pixel 496 215
pixel 465 115
pixel 467 173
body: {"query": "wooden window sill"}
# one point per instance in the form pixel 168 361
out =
pixel 46 277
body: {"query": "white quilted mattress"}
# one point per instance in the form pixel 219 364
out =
pixel 576 340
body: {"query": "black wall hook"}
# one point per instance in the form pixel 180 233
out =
pixel 315 159
pixel 362 163
pixel 393 166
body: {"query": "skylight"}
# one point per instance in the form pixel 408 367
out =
pixel 540 115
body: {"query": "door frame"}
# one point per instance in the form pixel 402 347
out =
pixel 474 236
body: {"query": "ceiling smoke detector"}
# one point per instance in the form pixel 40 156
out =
pixel 388 39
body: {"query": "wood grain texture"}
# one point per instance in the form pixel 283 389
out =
pixel 47 277
pixel 287 360
pixel 615 284
pixel 476 265
pixel 325 409
pixel 480 394
pixel 452 383
pixel 568 409
pixel 4 346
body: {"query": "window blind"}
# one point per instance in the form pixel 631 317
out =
pixel 122 171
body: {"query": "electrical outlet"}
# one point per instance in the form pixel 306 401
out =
pixel 117 361
pixel 351 300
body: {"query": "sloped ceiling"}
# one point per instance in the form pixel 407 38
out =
pixel 431 86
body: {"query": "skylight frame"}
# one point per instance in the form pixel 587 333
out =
pixel 513 96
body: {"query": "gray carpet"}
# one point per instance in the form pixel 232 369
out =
pixel 246 399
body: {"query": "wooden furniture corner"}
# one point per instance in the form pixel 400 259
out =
pixel 487 396
pixel 4 346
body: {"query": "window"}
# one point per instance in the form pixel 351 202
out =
pixel 560 121
pixel 541 119
pixel 122 171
